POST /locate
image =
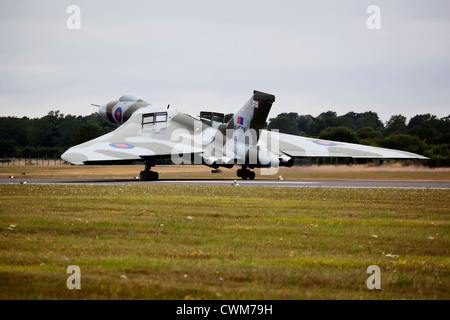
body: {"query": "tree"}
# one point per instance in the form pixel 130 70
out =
pixel 54 117
pixel 12 128
pixel 291 115
pixel 343 134
pixel 426 133
pixel 369 136
pixel 329 119
pixel 40 132
pixel 423 119
pixel 369 133
pixel 439 155
pixel 304 122
pixel 427 128
pixel 67 129
pixel 8 147
pixel 369 119
pixel 86 132
pixel 396 124
pixel 283 124
pixel 401 141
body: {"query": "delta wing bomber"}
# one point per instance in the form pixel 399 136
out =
pixel 147 132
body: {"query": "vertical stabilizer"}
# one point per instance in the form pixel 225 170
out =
pixel 243 130
pixel 253 114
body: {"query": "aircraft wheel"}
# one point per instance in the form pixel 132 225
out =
pixel 154 175
pixel 149 175
pixel 245 174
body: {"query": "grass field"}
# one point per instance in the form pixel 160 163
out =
pixel 223 242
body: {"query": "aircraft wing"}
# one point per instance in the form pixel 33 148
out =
pixel 298 146
pixel 162 135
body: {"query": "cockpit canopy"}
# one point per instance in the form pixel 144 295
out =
pixel 130 98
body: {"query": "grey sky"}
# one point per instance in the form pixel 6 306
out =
pixel 314 56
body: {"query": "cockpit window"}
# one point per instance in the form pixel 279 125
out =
pixel 131 98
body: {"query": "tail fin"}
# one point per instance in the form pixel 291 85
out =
pixel 246 124
pixel 253 114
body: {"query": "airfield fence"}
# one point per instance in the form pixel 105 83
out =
pixel 47 161
pixel 32 162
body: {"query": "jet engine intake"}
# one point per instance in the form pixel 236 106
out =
pixel 119 111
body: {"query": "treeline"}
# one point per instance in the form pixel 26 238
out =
pixel 424 134
pixel 49 136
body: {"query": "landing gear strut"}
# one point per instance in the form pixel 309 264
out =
pixel 148 174
pixel 245 173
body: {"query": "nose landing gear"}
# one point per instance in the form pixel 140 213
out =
pixel 148 174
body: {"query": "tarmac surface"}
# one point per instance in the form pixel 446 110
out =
pixel 414 184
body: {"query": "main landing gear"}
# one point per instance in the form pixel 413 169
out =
pixel 147 174
pixel 245 173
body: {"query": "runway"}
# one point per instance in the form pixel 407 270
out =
pixel 414 184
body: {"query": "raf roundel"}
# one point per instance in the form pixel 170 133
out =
pixel 121 145
pixel 118 114
pixel 325 143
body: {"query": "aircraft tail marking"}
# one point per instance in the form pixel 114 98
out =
pixel 253 114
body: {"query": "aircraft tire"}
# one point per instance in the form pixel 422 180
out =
pixel 154 175
pixel 149 175
pixel 245 174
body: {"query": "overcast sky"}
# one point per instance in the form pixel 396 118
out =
pixel 314 56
